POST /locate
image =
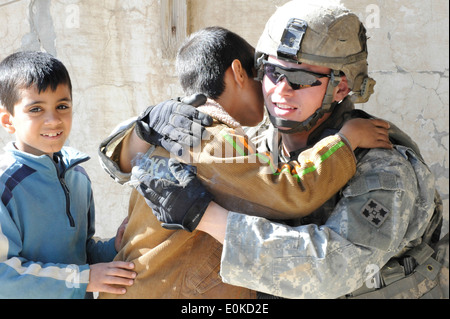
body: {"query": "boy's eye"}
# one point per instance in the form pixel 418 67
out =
pixel 64 107
pixel 35 109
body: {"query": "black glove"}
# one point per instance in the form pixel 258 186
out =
pixel 179 202
pixel 173 124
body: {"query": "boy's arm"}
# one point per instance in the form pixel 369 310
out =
pixel 240 179
pixel 275 190
pixel 25 279
pixel 21 278
pixel 288 190
pixel 98 250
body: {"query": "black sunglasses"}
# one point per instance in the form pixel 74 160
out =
pixel 297 78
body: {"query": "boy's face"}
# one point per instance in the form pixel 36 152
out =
pixel 41 122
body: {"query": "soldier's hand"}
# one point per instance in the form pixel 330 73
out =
pixel 178 203
pixel 174 124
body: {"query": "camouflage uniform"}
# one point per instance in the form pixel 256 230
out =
pixel 180 264
pixel 376 238
pixel 379 215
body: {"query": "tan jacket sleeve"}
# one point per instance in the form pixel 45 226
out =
pixel 241 179
pixel 229 165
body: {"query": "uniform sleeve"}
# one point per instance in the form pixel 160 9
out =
pixel 230 164
pixel 21 278
pixel 109 151
pixel 385 208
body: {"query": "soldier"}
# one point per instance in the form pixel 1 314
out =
pixel 172 263
pixel 376 238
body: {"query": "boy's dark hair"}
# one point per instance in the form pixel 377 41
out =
pixel 205 56
pixel 22 70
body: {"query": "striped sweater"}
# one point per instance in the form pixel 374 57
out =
pixel 47 226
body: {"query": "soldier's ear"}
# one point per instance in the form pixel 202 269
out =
pixel 342 90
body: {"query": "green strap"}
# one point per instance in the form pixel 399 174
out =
pixel 277 172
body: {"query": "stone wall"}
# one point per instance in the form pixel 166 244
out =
pixel 114 52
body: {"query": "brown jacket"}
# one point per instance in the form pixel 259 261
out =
pixel 179 264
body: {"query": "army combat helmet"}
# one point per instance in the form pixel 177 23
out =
pixel 320 34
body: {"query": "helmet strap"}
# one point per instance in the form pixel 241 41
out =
pixel 327 107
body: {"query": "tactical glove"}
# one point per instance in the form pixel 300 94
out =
pixel 178 202
pixel 173 124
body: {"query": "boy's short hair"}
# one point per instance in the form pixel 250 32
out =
pixel 23 70
pixel 205 56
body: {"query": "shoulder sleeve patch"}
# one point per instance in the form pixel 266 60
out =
pixel 375 213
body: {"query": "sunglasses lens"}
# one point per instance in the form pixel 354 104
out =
pixel 296 78
pixel 273 76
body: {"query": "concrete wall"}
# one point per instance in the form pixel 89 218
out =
pixel 114 52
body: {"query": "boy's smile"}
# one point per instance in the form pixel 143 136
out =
pixel 42 121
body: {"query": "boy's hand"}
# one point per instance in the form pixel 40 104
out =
pixel 119 235
pixel 111 277
pixel 367 133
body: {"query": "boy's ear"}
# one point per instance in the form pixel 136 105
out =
pixel 6 120
pixel 238 72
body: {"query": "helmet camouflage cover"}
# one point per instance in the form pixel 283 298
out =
pixel 319 34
